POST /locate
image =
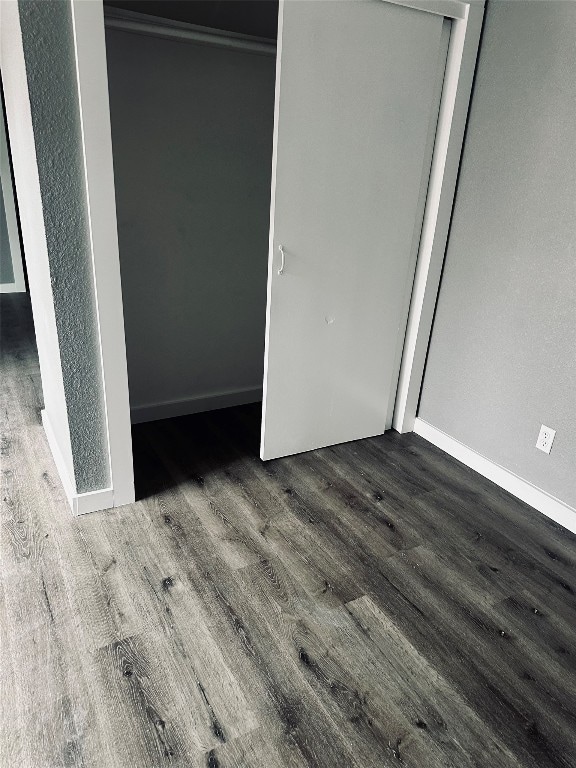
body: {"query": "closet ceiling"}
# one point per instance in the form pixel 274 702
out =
pixel 249 17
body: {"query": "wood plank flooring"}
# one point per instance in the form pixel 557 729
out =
pixel 374 604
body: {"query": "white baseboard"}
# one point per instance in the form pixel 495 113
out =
pixel 186 406
pixel 68 483
pixel 93 501
pixel 541 500
pixel 80 503
pixel 12 288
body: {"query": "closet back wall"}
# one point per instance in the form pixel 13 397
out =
pixel 192 132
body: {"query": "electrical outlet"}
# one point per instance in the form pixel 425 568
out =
pixel 545 438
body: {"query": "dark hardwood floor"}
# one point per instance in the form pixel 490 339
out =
pixel 374 604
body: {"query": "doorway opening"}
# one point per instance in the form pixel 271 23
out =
pixel 192 89
pixel 270 209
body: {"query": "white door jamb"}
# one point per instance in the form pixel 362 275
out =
pixel 90 50
pixel 467 20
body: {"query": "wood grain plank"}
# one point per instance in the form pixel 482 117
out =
pixel 369 604
pixel 137 686
pixel 373 727
pixel 429 701
pixel 472 646
pixel 163 588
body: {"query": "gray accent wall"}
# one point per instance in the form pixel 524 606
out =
pixel 502 358
pixel 50 68
pixel 192 129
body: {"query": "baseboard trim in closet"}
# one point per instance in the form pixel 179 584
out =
pixel 185 406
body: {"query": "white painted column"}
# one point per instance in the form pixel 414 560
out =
pixel 90 49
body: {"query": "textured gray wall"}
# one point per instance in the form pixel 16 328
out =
pixel 50 67
pixel 192 135
pixel 6 269
pixel 502 358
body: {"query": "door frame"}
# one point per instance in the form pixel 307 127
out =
pixel 88 23
pixel 467 18
pixel 94 107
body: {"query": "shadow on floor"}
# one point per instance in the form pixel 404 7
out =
pixel 170 452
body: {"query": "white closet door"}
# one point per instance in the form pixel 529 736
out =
pixel 357 96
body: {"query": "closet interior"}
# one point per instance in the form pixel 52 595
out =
pixel 191 89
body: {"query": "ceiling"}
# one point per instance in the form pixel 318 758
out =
pixel 249 17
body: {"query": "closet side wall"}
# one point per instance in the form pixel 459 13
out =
pixel 6 268
pixel 192 132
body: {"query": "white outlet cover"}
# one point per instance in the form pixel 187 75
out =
pixel 545 439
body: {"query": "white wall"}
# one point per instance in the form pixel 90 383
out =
pixel 192 136
pixel 502 358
